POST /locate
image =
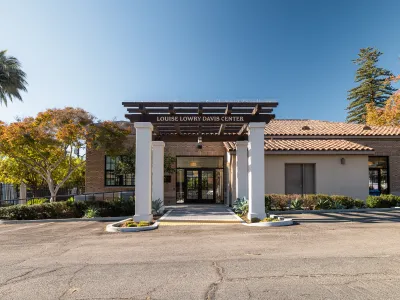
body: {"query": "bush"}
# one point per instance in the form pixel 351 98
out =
pixel 156 206
pixel 268 202
pixel 359 203
pixel 383 201
pixel 280 201
pixel 91 212
pixel 143 224
pixel 37 201
pixel 296 204
pixel 310 201
pixel 241 206
pixel 67 209
pixel 345 201
pixel 324 204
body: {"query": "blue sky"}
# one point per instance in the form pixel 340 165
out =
pixel 95 54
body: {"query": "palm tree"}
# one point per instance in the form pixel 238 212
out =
pixel 12 78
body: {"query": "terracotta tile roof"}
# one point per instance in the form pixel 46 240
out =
pixel 307 145
pixel 313 145
pixel 325 128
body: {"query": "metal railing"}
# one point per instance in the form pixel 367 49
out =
pixel 95 196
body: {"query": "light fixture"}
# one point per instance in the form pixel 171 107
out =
pixel 343 161
pixel 199 142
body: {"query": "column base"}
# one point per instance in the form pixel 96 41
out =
pixel 147 218
pixel 255 215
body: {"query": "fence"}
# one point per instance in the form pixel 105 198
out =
pixel 102 196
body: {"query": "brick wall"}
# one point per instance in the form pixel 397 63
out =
pixel 95 164
pixel 390 148
pixel 188 149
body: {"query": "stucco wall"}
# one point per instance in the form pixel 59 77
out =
pixel 331 177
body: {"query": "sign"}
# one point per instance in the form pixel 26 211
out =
pixel 195 119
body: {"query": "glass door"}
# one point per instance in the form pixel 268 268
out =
pixel 192 185
pixel 207 186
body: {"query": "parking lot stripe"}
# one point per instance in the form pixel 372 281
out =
pixel 25 227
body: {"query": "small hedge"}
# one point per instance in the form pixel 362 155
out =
pixel 67 209
pixel 383 201
pixel 322 201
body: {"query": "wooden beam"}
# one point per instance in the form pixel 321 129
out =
pixel 206 138
pixel 142 110
pixel 256 109
pixel 155 130
pixel 178 129
pixel 221 129
pixel 242 131
pixel 228 109
pixel 171 109
pixel 204 103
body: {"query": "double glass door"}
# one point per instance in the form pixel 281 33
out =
pixel 200 185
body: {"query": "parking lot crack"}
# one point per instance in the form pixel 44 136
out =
pixel 69 286
pixel 213 287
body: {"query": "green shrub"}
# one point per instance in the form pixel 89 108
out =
pixel 37 201
pixel 130 224
pixel 51 210
pixel 241 206
pixel 382 201
pixel 268 202
pixel 157 206
pixel 67 209
pixel 92 212
pixel 345 201
pixel 359 203
pixel 268 219
pixel 324 204
pixel 143 224
pixel 310 201
pixel 296 204
pixel 280 201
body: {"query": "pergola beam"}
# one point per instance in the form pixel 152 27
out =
pixel 221 129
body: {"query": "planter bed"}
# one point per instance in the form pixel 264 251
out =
pixel 119 226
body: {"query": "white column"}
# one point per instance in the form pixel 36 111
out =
pixel 241 170
pixel 22 193
pixel 256 171
pixel 158 172
pixel 143 172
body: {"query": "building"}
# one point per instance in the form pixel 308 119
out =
pixel 228 150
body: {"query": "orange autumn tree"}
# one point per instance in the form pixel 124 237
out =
pixel 56 141
pixel 389 115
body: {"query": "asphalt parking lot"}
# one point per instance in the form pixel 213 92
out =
pixel 353 256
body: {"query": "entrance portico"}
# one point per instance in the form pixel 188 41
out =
pixel 201 122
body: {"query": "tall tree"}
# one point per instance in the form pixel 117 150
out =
pixel 12 78
pixel 373 88
pixel 54 143
pixel 389 115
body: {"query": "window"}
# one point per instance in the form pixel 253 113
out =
pixel 300 179
pixel 116 180
pixel 378 175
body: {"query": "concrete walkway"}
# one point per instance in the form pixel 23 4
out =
pixel 200 213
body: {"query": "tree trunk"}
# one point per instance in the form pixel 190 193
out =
pixel 53 197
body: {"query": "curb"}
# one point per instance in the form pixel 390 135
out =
pixel 98 219
pixel 288 212
pixel 236 221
